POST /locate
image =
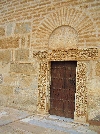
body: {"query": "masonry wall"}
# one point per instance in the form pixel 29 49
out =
pixel 28 26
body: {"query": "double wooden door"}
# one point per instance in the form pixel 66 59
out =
pixel 63 88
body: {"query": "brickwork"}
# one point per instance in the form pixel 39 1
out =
pixel 34 33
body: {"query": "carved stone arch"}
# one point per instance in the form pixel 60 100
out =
pixel 65 16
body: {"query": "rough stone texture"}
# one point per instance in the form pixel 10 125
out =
pixel 2 31
pixel 22 92
pixel 6 90
pixel 5 56
pixel 22 28
pixel 22 55
pixel 1 78
pixel 23 99
pixel 4 67
pixel 11 42
pixel 98 69
pixel 56 30
pixel 25 68
pixel 93 86
pixel 63 37
pixel 9 28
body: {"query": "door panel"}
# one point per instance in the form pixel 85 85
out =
pixel 63 88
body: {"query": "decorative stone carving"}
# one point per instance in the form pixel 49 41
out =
pixel 74 54
pixel 42 87
pixel 56 21
pixel 41 55
pixel 81 92
pixel 63 37
pixel 87 54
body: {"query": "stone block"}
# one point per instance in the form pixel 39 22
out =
pixel 24 99
pixel 28 41
pixel 9 30
pixel 4 67
pixel 9 79
pixel 99 53
pixel 2 31
pixel 21 54
pixel 25 68
pixel 63 37
pixel 3 100
pixel 27 81
pixel 21 28
pixel 6 90
pixel 23 42
pixel 94 103
pixel 98 69
pixel 11 42
pixel 5 55
pixel 1 78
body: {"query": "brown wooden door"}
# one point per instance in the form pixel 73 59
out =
pixel 63 88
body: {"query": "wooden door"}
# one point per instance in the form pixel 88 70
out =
pixel 63 88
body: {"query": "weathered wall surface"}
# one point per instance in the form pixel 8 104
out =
pixel 18 69
pixel 94 90
pixel 28 26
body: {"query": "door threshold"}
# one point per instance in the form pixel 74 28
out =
pixel 55 117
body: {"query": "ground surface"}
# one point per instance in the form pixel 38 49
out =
pixel 13 121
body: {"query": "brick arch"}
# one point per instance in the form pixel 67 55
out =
pixel 65 16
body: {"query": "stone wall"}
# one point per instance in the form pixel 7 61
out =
pixel 94 91
pixel 31 35
pixel 18 69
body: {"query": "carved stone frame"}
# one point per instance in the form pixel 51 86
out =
pixel 82 57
